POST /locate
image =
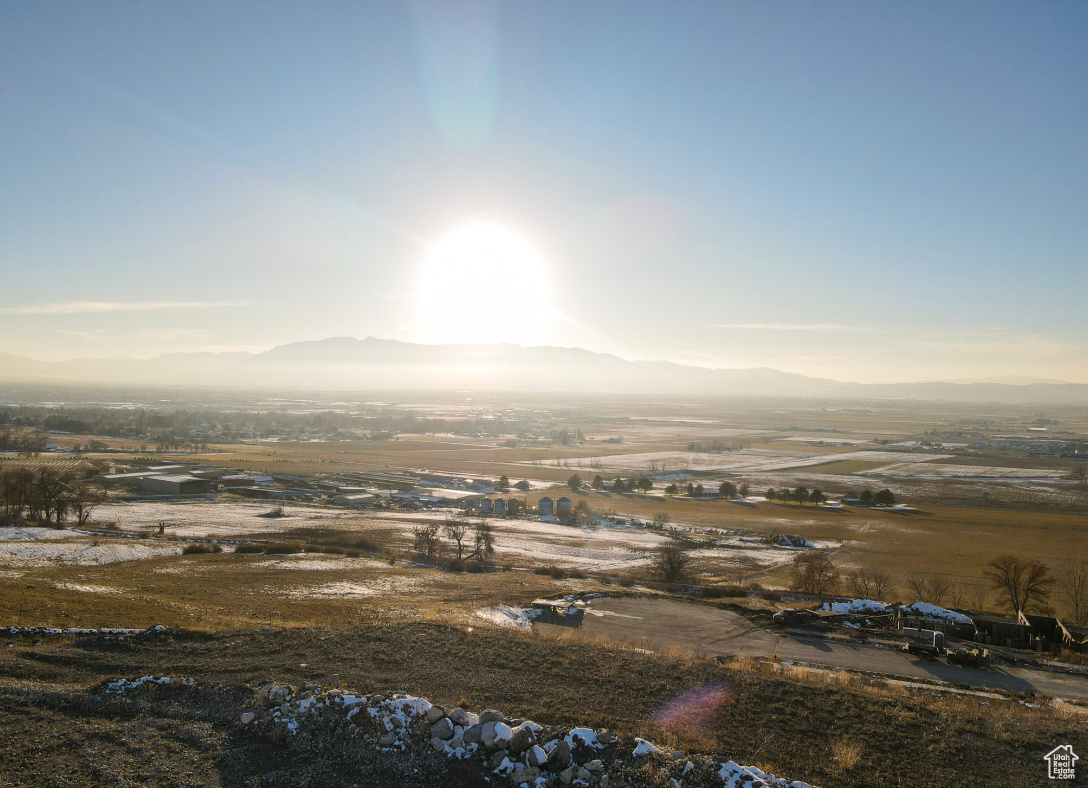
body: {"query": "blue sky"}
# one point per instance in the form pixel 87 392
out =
pixel 859 191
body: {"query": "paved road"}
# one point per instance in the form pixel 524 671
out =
pixel 661 624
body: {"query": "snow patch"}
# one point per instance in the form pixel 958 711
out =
pixel 933 611
pixel 509 617
pixel 857 606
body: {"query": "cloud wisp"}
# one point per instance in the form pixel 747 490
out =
pixel 100 307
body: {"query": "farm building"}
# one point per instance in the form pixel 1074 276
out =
pixel 513 506
pixel 1001 631
pixel 1045 631
pixel 356 499
pixel 485 506
pixel 1074 638
pixel 175 485
pixel 499 506
pixel 544 507
pixel 563 507
pixel 922 615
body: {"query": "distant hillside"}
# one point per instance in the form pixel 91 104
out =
pixel 383 364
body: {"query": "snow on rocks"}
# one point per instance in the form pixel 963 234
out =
pixel 513 752
pixel 123 686
pixel 643 747
pixel 109 631
pixel 857 606
pixel 794 541
pixel 509 617
pixel 933 611
pixel 736 776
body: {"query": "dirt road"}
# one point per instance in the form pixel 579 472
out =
pixel 659 624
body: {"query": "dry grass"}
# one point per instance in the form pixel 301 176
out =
pixel 760 715
pixel 846 752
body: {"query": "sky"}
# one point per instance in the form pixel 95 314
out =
pixel 875 192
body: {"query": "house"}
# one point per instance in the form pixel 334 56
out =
pixel 544 506
pixel 563 507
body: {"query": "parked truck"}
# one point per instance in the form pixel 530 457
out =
pixel 924 643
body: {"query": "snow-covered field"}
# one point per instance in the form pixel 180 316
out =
pixel 25 534
pixel 197 519
pixel 85 588
pixel 742 461
pixel 926 470
pixel 610 546
pixel 394 584
pixel 79 552
pixel 310 562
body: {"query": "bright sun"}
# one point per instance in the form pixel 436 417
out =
pixel 484 283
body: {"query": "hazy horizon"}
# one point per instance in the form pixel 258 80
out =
pixel 874 194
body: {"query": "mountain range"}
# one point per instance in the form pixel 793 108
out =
pixel 344 363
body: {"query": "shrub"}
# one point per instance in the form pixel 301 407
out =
pixel 282 548
pixel 248 548
pixel 312 548
pixel 455 565
pixel 353 554
pixel 540 570
pixel 718 592
pixel 556 572
pixel 473 567
pixel 198 549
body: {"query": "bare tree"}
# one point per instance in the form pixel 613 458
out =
pixel 16 490
pixel 813 573
pixel 980 597
pixel 860 583
pixel 868 583
pixel 483 539
pixel 661 519
pixel 51 494
pixel 425 541
pixel 937 588
pixel 672 563
pixel 917 586
pixel 1073 582
pixel 456 529
pixel 883 585
pixel 957 593
pixel 83 500
pixel 1022 583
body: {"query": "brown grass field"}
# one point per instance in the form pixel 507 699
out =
pixel 826 729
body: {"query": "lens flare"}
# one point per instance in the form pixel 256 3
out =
pixel 693 710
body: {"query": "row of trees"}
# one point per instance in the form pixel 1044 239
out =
pixel 46 496
pixel 801 495
pixel 464 540
pixel 503 484
pixel 728 489
pixel 1017 584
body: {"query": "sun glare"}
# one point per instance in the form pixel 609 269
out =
pixel 484 283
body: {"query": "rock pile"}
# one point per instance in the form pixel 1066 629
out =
pixel 521 752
